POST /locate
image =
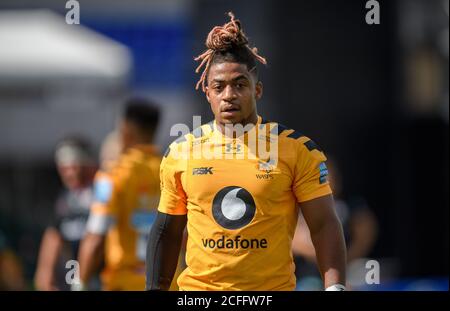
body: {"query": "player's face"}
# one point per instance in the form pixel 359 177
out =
pixel 71 175
pixel 128 134
pixel 232 92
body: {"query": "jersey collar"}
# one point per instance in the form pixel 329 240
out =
pixel 217 130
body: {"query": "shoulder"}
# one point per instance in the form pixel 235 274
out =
pixel 133 159
pixel 118 173
pixel 291 137
pixel 103 186
pixel 186 141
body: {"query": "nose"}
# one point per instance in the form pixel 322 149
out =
pixel 229 93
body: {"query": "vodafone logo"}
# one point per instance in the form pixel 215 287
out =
pixel 233 207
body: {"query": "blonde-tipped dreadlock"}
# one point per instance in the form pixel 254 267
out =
pixel 221 39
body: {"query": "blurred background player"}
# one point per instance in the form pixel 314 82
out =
pixel 60 242
pixel 360 232
pixel 11 269
pixel 110 151
pixel 126 198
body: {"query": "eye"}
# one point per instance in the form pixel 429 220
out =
pixel 217 88
pixel 241 84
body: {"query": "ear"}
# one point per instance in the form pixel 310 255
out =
pixel 258 90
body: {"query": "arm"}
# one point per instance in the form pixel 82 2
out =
pixel 163 249
pixel 51 246
pixel 101 218
pixel 327 237
pixel 167 232
pixel 301 243
pixel 91 250
pixel 89 257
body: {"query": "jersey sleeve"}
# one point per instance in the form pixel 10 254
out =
pixel 173 198
pixel 105 206
pixel 310 180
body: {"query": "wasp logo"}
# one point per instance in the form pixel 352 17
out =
pixel 233 207
pixel 267 167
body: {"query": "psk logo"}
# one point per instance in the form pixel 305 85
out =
pixel 202 170
pixel 233 207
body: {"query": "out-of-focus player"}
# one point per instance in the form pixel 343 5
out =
pixel 241 206
pixel 126 198
pixel 11 268
pixel 76 167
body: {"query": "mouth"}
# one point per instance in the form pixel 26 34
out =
pixel 230 110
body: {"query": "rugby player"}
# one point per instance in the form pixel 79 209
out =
pixel 241 206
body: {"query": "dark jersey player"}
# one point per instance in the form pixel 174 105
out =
pixel 76 167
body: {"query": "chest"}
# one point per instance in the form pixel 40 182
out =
pixel 205 180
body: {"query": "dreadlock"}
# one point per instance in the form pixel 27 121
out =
pixel 227 43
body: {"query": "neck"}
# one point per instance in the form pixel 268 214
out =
pixel 252 119
pixel 137 141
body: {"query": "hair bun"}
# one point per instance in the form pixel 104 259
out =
pixel 224 37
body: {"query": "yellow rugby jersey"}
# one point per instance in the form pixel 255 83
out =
pixel 242 212
pixel 128 194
